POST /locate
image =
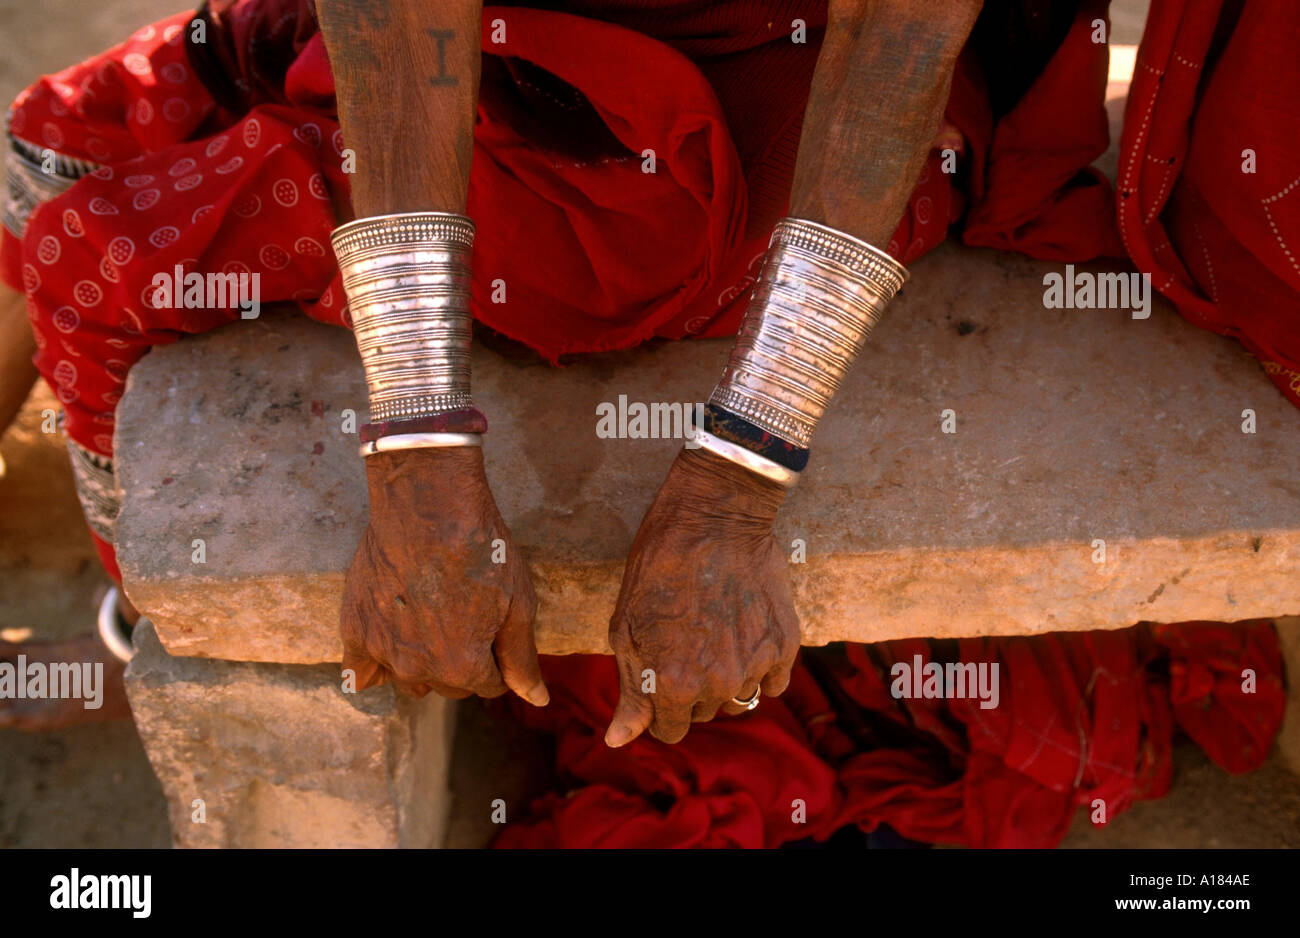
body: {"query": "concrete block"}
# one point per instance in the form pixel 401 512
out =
pixel 279 756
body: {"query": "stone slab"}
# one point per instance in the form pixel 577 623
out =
pixel 1071 426
pixel 279 756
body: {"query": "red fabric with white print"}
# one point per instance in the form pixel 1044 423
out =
pixel 252 198
pixel 188 182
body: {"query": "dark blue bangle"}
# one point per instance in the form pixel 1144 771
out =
pixel 736 429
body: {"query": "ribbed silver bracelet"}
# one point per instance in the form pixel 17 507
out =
pixel 407 279
pixel 818 295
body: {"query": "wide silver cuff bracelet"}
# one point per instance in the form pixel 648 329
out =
pixel 407 280
pixel 818 295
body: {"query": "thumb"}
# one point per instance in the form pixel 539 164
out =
pixel 515 648
pixel 634 712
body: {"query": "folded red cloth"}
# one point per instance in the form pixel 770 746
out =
pixel 1082 720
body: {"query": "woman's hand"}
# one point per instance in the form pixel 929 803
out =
pixel 705 603
pixel 438 597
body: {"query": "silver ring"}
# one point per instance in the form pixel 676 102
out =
pixel 749 704
pixel 747 458
pixel 110 629
pixel 397 441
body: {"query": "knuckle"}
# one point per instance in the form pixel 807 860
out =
pixel 670 733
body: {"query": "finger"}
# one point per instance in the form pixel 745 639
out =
pixel 777 679
pixel 420 688
pixel 634 711
pixel 487 681
pixel 671 719
pixel 515 648
pixel 731 708
pixel 366 671
pixel 705 710
pixel 672 714
pixel 461 668
pixel 458 671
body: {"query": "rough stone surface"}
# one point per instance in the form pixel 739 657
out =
pixel 1072 425
pixel 281 757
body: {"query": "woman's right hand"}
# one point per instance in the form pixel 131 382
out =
pixel 438 597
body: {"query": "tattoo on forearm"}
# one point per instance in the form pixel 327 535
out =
pixel 876 101
pixel 413 65
pixel 442 78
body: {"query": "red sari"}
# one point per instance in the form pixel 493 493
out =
pixel 225 156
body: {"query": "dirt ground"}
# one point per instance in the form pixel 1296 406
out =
pixel 92 786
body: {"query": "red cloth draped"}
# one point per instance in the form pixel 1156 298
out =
pixel 1210 100
pixel 238 170
pixel 235 167
pixel 1031 184
pixel 732 783
pixel 1082 718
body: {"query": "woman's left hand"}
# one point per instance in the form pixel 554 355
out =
pixel 705 614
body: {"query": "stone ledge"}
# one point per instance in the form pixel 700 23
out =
pixel 1071 425
pixel 322 769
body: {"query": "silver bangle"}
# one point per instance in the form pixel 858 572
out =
pixel 398 441
pixel 407 280
pixel 818 295
pixel 747 458
pixel 115 639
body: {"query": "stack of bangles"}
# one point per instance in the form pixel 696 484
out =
pixel 818 295
pixel 407 280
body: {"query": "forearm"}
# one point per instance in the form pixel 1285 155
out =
pixel 877 98
pixel 406 75
pixel 876 102
pixel 17 346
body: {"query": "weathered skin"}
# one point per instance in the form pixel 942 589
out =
pixel 426 604
pixel 705 602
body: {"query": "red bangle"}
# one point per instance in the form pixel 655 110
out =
pixel 467 420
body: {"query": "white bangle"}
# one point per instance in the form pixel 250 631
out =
pixel 747 458
pixel 398 441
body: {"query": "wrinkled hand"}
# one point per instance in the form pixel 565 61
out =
pixel 424 603
pixel 705 602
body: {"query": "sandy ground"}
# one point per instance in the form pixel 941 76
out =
pixel 92 786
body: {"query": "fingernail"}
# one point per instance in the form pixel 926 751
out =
pixel 538 695
pixel 617 735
